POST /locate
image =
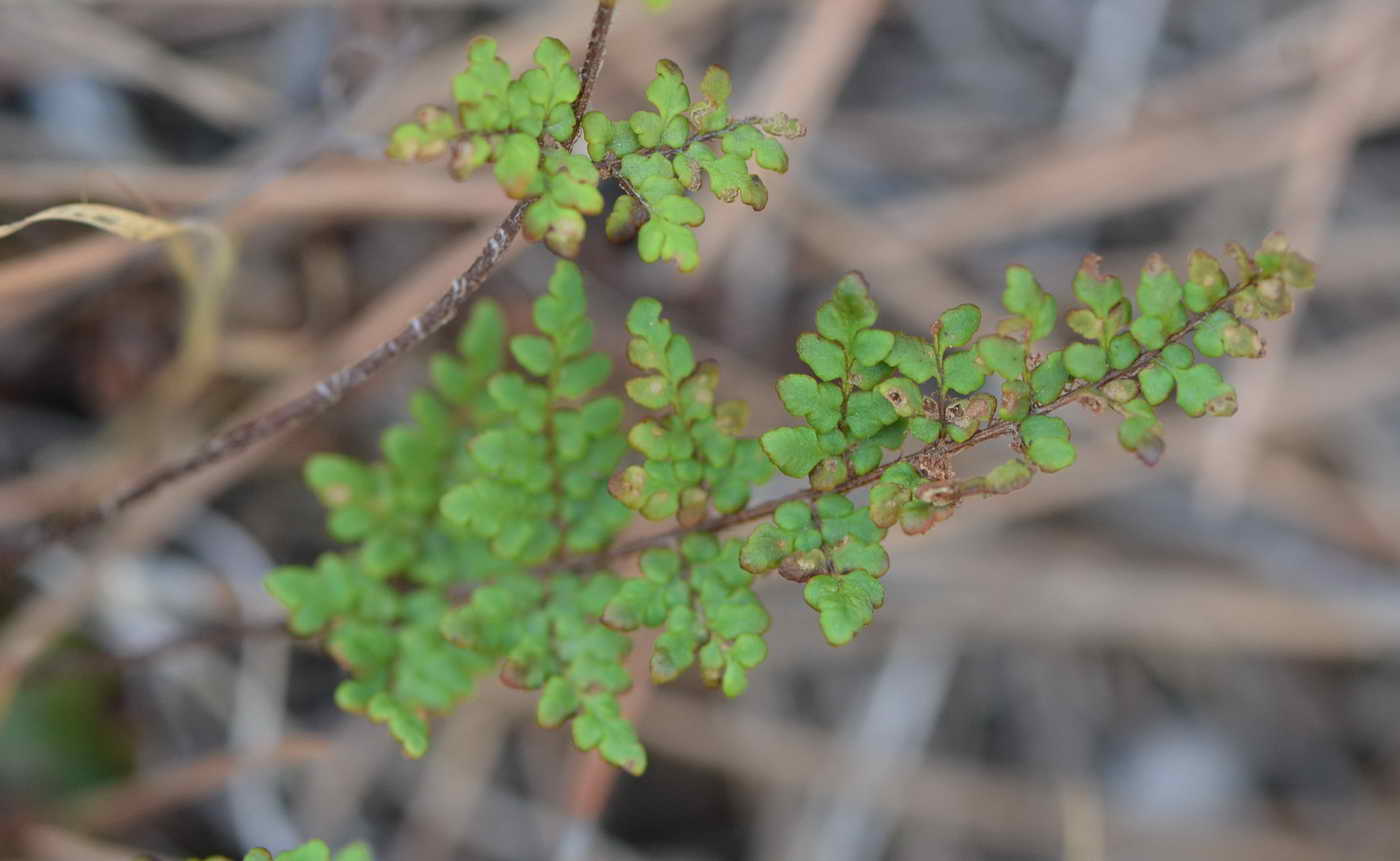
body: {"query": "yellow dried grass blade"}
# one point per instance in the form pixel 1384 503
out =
pixel 113 219
pixel 204 277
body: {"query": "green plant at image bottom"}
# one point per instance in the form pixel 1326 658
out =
pixel 483 541
pixel 313 850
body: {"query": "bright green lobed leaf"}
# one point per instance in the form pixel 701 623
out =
pixel 406 725
pixel 818 403
pixel 1122 351
pixel 1051 455
pixel 747 141
pixel 338 480
pixel 316 597
pixel 729 176
pixel 481 91
pixel 669 95
pixel 1150 332
pixel 1159 295
pixel 872 345
pixel 867 413
pixel 313 850
pixel 1200 390
pixel 659 239
pixel 1024 297
pixel 1003 356
pixel 793 450
pixel 602 726
pixel 1049 378
pixel 961 372
pixel 1085 361
pixel 914 357
pixel 579 377
pixel 846 603
pixel 827 359
pixel 1177 356
pixel 925 429
pixel 650 335
pixel 535 353
pixel 1099 292
pixel 848 311
pixel 518 165
pixel 958 325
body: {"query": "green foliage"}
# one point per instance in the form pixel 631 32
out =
pixel 548 437
pixel 516 125
pixel 502 470
pixel 523 127
pixel 832 546
pixel 59 735
pixel 695 457
pixel 1046 441
pixel 662 154
pixel 862 398
pixel 549 636
pixel 314 850
pixel 704 602
pixel 866 396
pixel 1148 350
pixel 866 393
pixel 506 469
pixel 799 541
pixel 482 540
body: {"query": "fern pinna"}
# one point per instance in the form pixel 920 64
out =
pixel 485 540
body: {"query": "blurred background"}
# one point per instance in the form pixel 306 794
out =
pixel 1192 661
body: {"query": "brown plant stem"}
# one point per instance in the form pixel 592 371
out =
pixel 331 390
pixel 592 62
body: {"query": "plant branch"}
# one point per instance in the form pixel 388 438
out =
pixel 611 165
pixel 939 449
pixel 331 390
